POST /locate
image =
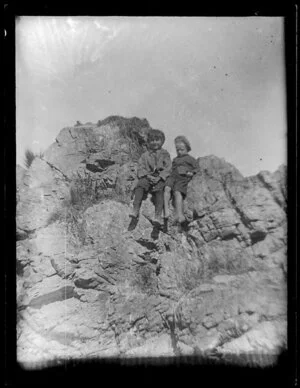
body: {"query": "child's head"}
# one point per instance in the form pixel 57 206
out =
pixel 155 139
pixel 182 145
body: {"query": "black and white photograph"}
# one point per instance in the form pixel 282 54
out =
pixel 151 194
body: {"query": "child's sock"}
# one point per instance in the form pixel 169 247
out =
pixel 165 224
pixel 135 213
pixel 181 219
pixel 158 219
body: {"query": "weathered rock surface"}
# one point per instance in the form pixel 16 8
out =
pixel 87 287
pixel 20 171
pixel 266 338
pixel 96 146
pixel 41 192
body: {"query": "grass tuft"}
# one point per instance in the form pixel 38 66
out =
pixel 30 156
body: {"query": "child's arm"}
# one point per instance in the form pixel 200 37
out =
pixel 194 167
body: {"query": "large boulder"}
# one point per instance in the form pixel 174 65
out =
pixel 86 162
pixel 110 141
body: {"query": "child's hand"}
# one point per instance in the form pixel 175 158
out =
pixel 155 179
pixel 189 174
pixel 150 178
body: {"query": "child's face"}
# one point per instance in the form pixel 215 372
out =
pixel 155 143
pixel 181 149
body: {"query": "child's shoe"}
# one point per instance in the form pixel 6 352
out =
pixel 134 215
pixel 133 223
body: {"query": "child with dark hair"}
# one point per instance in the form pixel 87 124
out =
pixel 154 167
pixel 184 167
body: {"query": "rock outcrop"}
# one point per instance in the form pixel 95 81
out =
pixel 88 287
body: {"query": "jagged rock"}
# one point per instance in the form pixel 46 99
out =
pixel 184 349
pixel 31 277
pixel 74 144
pixel 51 240
pixel 207 342
pixel 155 347
pixel 41 192
pixel 259 295
pixel 279 178
pixel 265 338
pixel 46 254
pixel 63 267
pixel 88 287
pixel 89 156
pixel 126 178
pixel 20 171
pixel 179 273
pixel 260 211
pixel 276 184
pixel 85 278
pixel 21 234
pixel 24 253
pixel 218 169
pixel 49 290
pixel 36 351
pixel 67 324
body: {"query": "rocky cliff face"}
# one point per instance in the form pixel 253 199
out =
pixel 87 287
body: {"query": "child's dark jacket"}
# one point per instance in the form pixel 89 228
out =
pixel 178 180
pixel 183 164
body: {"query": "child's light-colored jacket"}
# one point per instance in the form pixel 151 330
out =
pixel 150 161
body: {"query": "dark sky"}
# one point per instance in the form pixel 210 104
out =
pixel 219 81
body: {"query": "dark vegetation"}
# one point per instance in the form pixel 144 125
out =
pixel 30 156
pixel 130 129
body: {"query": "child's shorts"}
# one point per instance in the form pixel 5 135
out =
pixel 145 184
pixel 178 183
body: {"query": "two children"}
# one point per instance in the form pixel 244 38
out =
pixel 163 179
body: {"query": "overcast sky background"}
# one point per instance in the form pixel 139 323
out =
pixel 220 81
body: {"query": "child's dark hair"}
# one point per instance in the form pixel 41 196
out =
pixel 153 133
pixel 184 140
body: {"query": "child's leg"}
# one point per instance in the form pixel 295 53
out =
pixel 159 204
pixel 183 219
pixel 138 198
pixel 142 187
pixel 179 206
pixel 167 196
